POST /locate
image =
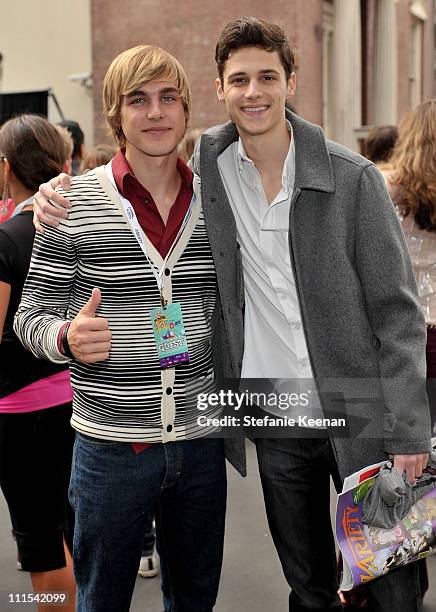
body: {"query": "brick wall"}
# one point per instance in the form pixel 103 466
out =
pixel 189 30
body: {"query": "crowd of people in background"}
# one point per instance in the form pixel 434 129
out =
pixel 36 395
pixel 406 156
pixel 36 439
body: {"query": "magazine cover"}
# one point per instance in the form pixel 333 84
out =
pixel 369 552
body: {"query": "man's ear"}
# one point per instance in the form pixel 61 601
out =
pixel 219 89
pixel 292 85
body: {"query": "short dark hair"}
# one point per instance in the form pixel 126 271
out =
pixel 76 134
pixel 34 149
pixel 253 32
pixel 380 143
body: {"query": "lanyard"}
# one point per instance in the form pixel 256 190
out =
pixel 136 229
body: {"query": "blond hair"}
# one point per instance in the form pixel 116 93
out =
pixel 414 164
pixel 129 71
pixel 187 144
pixel 97 156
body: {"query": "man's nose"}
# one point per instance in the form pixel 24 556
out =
pixel 155 110
pixel 253 90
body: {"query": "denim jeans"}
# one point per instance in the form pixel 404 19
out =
pixel 114 491
pixel 295 475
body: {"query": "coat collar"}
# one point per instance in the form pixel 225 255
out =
pixel 313 168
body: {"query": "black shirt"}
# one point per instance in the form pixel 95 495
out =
pixel 18 367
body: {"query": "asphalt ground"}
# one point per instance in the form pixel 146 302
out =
pixel 252 579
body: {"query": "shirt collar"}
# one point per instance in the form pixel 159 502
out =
pixel 288 174
pixel 121 171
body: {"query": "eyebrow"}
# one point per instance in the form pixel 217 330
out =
pixel 262 71
pixel 141 92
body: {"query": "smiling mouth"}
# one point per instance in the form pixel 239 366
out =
pixel 254 109
pixel 156 130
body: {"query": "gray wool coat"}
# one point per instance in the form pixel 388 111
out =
pixel 364 328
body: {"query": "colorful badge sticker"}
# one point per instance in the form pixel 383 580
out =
pixel 169 335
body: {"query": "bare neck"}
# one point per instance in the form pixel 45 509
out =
pixel 156 174
pixel 18 192
pixel 268 151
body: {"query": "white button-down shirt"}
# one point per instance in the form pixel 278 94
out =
pixel 275 346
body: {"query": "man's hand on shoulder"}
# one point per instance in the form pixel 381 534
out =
pixel 89 337
pixel 43 210
pixel 412 464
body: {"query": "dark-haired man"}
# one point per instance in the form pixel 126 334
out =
pixel 329 293
pixel 79 143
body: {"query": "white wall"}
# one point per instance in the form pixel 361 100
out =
pixel 42 43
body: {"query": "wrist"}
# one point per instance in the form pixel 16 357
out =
pixel 63 344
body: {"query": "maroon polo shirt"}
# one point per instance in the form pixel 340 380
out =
pixel 160 235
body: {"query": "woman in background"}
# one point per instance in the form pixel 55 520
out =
pixel 380 144
pixel 99 155
pixel 412 186
pixel 36 438
pixel 187 144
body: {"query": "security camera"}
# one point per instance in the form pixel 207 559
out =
pixel 83 78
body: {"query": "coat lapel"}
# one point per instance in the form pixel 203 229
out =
pixel 220 222
pixel 313 168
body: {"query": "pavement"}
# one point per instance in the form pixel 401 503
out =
pixel 252 579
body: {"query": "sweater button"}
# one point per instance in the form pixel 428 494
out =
pixel 168 390
pixel 169 428
pixel 167 271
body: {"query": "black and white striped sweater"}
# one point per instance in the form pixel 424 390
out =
pixel 127 397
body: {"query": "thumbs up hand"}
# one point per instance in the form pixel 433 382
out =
pixel 89 337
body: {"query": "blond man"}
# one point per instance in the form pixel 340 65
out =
pixel 133 252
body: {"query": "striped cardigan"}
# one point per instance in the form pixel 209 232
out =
pixel 127 397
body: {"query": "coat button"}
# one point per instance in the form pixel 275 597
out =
pixel 221 254
pixel 213 199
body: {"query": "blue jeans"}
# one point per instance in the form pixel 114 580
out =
pixel 114 491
